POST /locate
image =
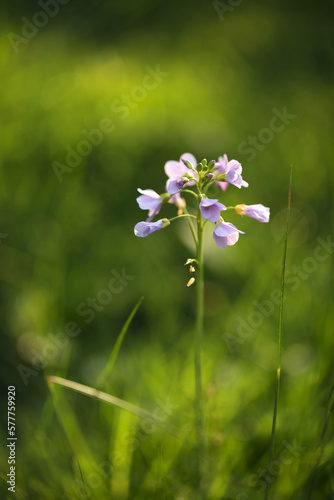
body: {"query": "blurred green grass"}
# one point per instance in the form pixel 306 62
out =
pixel 224 79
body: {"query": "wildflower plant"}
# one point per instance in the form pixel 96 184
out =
pixel 187 177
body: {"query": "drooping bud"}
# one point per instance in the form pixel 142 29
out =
pixel 192 269
pixel 188 164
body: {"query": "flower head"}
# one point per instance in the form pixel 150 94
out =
pixel 210 209
pixel 232 170
pixel 143 229
pixel 258 212
pixel 177 169
pixel 225 233
pixel 187 172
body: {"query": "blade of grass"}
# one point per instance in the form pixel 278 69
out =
pixel 123 446
pixel 106 372
pixel 113 400
pixel 312 474
pixel 80 451
pixel 278 377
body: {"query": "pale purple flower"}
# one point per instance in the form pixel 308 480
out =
pixel 177 169
pixel 232 170
pixel 258 212
pixel 149 200
pixel 143 229
pixel 210 209
pixel 174 185
pixel 225 233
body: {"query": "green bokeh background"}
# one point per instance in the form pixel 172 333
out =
pixel 226 69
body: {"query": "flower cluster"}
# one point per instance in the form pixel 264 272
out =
pixel 188 173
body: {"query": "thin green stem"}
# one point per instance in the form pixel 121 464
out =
pixel 220 178
pixel 198 363
pixel 278 376
pixel 190 192
pixel 183 215
pixel 191 226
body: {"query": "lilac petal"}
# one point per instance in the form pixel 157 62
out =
pixel 143 229
pixel 226 228
pixel 235 165
pixel 233 175
pixel 146 203
pixel 210 209
pixel 258 212
pixel 175 169
pixel 222 241
pixel 149 200
pixel 222 165
pixel 174 185
pixel 207 202
pixel 148 192
pixel 226 233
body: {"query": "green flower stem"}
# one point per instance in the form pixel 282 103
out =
pixel 190 192
pixel 189 216
pixel 209 183
pixel 183 215
pixel 198 347
pixel 191 226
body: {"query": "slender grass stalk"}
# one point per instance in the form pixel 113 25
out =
pixel 198 360
pixel 278 376
pixel 106 373
pixel 113 400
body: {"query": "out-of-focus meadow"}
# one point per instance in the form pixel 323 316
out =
pixel 143 82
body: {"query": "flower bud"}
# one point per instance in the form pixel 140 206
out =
pixel 191 281
pixel 188 164
pixel 165 197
